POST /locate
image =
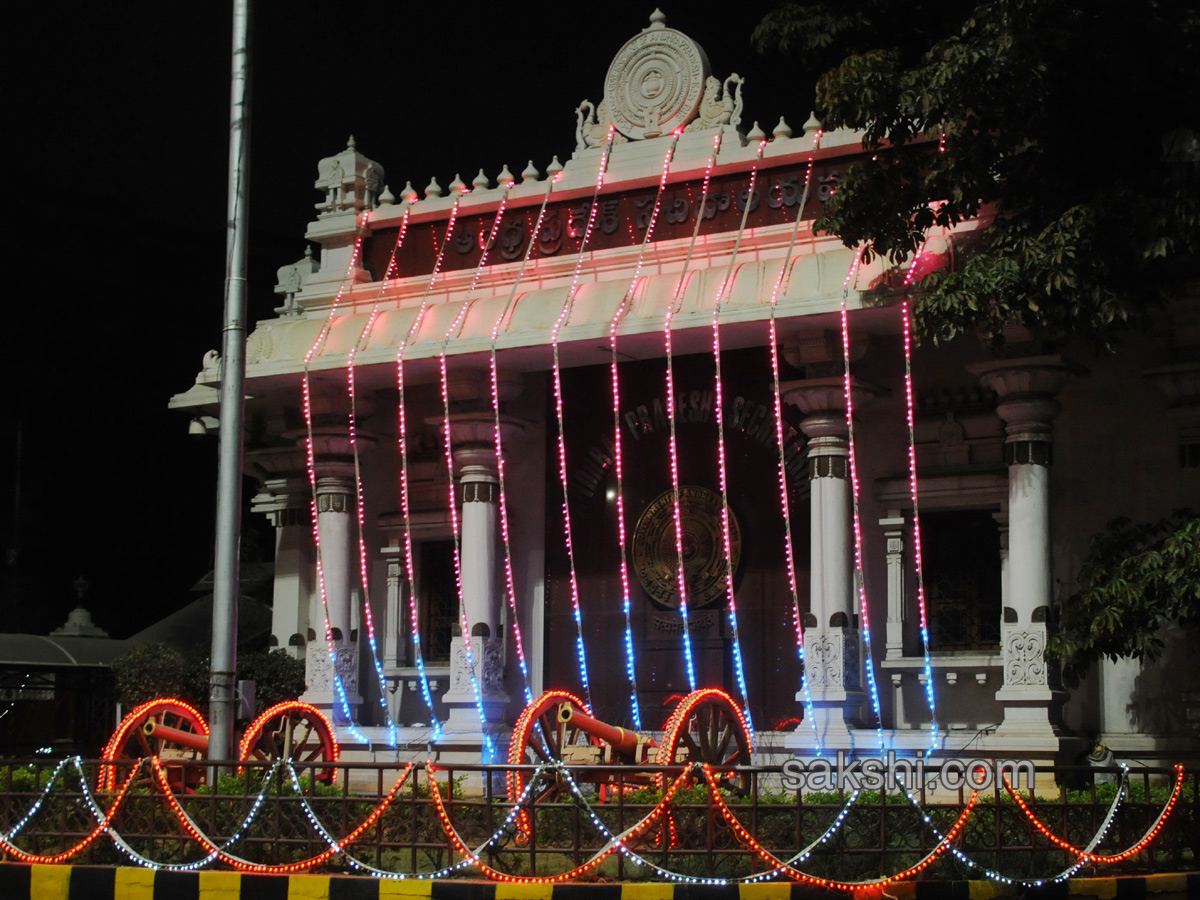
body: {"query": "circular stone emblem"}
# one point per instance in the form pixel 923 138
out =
pixel 655 559
pixel 655 83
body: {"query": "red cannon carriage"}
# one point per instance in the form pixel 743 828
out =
pixel 176 732
pixel 706 727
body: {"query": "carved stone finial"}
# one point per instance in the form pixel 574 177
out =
pixel 658 19
pixel 458 185
pixel 505 178
pixel 387 198
pixel 409 193
pixel 756 133
pixel 530 173
pixel 783 129
pixel 555 166
pixel 433 189
pixel 349 181
pixel 481 182
pixel 811 125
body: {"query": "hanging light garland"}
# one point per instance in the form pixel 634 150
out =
pixel 676 301
pixel 464 622
pixel 618 464
pixel 918 557
pixel 310 460
pixel 722 473
pixel 405 506
pixel 563 315
pixel 510 589
pixel 364 580
pixel 777 397
pixel 864 611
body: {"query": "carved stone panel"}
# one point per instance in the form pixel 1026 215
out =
pixel 832 660
pixel 1024 662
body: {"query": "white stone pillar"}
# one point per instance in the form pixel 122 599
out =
pixel 338 557
pixel 897 617
pixel 285 499
pixel 833 644
pixel 481 577
pixel 1026 389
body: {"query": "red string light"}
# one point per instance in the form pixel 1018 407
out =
pixel 1150 834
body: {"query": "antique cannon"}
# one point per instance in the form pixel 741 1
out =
pixel 705 727
pixel 176 732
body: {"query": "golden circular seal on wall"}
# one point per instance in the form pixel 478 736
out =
pixel 656 559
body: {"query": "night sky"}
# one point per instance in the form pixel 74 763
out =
pixel 118 136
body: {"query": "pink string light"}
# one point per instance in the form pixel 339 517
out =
pixel 722 472
pixel 676 300
pixel 464 619
pixel 630 665
pixel 918 559
pixel 864 612
pixel 310 462
pixel 509 581
pixel 784 504
pixel 409 562
pixel 563 315
pixel 358 489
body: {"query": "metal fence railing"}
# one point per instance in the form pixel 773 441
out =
pixel 446 821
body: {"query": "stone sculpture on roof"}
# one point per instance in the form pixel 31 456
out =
pixel 658 83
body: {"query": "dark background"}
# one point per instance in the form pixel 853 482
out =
pixel 118 129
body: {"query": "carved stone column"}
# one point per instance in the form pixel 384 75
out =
pixel 897 616
pixel 1026 388
pixel 833 645
pixel 285 498
pixel 477 492
pixel 337 556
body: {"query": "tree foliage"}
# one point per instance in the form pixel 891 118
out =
pixel 1074 123
pixel 149 671
pixel 1135 580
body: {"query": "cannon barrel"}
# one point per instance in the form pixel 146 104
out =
pixel 621 740
pixel 189 739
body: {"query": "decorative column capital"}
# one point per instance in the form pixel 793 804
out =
pixel 1026 388
pixel 823 395
pixel 823 403
pixel 473 440
pixel 1180 384
pixel 1028 375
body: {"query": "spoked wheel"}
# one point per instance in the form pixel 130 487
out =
pixel 130 741
pixel 539 737
pixel 293 731
pixel 708 727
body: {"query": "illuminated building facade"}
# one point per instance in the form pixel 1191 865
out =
pixel 501 402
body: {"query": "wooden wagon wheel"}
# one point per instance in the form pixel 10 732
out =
pixel 539 737
pixel 708 727
pixel 294 731
pixel 129 742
